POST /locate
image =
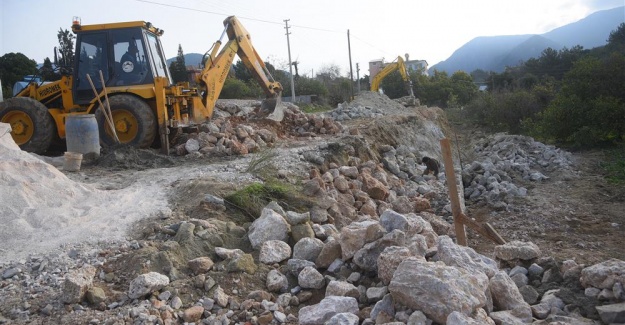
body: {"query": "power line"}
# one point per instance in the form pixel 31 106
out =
pixel 318 29
pixel 241 17
pixel 207 12
pixel 372 46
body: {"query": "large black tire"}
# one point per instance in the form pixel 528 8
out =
pixel 134 122
pixel 32 126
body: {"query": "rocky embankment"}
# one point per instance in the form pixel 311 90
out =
pixel 376 246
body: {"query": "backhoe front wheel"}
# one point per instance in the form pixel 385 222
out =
pixel 32 127
pixel 133 121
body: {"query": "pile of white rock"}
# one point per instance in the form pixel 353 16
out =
pixel 502 160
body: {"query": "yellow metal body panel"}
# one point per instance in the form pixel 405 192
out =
pixel 396 65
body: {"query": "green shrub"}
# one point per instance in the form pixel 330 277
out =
pixel 234 88
pixel 614 165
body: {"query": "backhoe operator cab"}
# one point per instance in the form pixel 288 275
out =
pixel 127 56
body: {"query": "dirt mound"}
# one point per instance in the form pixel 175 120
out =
pixel 126 157
pixel 43 209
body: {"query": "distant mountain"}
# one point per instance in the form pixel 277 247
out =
pixel 192 59
pixel 494 53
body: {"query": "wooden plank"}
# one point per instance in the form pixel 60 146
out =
pixel 485 230
pixel 456 210
pixel 496 237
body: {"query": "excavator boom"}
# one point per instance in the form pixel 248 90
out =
pixel 217 66
pixel 396 65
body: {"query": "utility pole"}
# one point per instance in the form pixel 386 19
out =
pixel 351 71
pixel 288 44
pixel 358 77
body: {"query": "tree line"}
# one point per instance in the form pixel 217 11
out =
pixel 571 96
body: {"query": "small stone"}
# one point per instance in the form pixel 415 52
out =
pixel 193 314
pixel 9 273
pixel 96 295
pixel 176 303
pixel 47 310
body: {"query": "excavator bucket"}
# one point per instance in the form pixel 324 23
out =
pixel 273 108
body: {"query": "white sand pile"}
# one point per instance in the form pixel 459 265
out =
pixel 42 209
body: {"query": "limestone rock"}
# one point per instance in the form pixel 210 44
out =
pixel 389 260
pixel 147 283
pixel 276 281
pixel 309 277
pixel 269 226
pixel 201 265
pixel 383 306
pixel 427 286
pixel 614 313
pixel 193 314
pixel 353 237
pixel 506 296
pixel 303 230
pixel 274 251
pixel 242 263
pixel 604 275
pixel 76 284
pixel 326 309
pixel 342 288
pixel 307 249
pixel 95 295
pixel 517 250
pixel 343 319
pixel 331 251
pixel 464 257
pixel 367 257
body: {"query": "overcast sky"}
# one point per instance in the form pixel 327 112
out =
pixel 428 30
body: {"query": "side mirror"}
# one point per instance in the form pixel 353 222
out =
pixel 56 57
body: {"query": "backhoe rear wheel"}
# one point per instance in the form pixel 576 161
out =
pixel 134 122
pixel 32 126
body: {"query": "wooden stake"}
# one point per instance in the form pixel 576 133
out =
pixel 107 109
pixel 460 219
pixel 456 209
pixel 97 96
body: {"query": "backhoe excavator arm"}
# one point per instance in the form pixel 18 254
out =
pixel 397 65
pixel 217 66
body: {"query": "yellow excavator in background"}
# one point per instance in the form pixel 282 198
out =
pixel 400 65
pixel 143 99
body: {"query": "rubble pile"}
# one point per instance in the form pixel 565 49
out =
pixel 367 105
pixel 397 267
pixel 346 191
pixel 502 162
pixel 225 136
pixel 220 137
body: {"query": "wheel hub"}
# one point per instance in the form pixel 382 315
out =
pixel 18 128
pixel 21 126
pixel 121 126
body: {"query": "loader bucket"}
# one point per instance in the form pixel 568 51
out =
pixel 273 108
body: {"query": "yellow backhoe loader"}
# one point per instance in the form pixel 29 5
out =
pixel 143 100
pixel 395 65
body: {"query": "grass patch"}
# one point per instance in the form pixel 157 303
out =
pixel 314 108
pixel 614 165
pixel 261 161
pixel 253 198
